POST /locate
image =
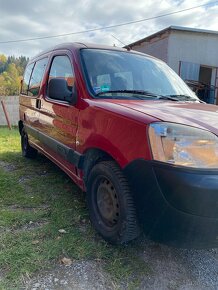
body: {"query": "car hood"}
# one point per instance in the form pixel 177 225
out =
pixel 199 115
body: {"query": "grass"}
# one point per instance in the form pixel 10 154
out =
pixel 37 200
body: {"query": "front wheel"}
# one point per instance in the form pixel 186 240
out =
pixel 27 150
pixel 110 203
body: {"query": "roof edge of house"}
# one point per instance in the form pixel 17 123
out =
pixel 170 28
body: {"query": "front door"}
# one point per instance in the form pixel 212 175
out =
pixel 58 119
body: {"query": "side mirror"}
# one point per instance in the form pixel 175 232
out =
pixel 58 90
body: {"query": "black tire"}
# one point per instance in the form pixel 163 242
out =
pixel 111 207
pixel 27 150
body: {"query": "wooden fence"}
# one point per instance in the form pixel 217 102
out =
pixel 12 106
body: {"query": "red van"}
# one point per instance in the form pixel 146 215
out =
pixel 129 133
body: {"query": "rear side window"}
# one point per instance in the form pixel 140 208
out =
pixel 61 68
pixel 36 77
pixel 26 78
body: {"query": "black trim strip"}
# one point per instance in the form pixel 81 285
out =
pixel 66 152
pixel 179 168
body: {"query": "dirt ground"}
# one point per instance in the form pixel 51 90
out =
pixel 170 269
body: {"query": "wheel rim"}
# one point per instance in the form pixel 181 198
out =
pixel 108 203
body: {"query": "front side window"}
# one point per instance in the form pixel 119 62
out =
pixel 120 74
pixel 37 75
pixel 61 68
pixel 26 78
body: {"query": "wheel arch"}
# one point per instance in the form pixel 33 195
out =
pixel 91 157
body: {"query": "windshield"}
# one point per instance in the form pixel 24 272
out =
pixel 115 74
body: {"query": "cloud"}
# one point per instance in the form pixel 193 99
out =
pixel 29 19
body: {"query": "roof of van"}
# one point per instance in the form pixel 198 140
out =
pixel 76 46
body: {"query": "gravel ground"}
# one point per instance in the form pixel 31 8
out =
pixel 170 269
pixel 181 268
pixel 85 275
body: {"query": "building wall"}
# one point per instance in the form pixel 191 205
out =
pixel 193 47
pixel 175 46
pixel 200 48
pixel 157 47
pixel 12 107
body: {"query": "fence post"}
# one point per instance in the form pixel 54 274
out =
pixel 6 114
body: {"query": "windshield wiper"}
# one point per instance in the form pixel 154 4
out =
pixel 178 98
pixel 148 94
pixel 135 92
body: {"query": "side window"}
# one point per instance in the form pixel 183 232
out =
pixel 37 76
pixel 61 68
pixel 26 78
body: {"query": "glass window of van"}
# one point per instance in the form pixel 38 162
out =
pixel 26 78
pixel 61 68
pixel 36 78
pixel 109 72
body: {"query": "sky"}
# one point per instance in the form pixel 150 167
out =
pixel 24 19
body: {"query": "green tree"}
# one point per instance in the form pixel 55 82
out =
pixel 3 61
pixel 11 80
pixel 2 86
pixel 11 70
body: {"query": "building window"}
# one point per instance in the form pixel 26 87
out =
pixel 189 71
pixel 201 80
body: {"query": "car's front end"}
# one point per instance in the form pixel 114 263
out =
pixel 176 193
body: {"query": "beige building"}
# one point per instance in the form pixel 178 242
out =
pixel 192 53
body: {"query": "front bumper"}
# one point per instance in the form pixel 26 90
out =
pixel 176 206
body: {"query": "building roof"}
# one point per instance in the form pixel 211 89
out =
pixel 172 28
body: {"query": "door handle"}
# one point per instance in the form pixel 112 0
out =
pixel 38 104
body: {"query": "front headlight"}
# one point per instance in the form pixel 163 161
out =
pixel 183 145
